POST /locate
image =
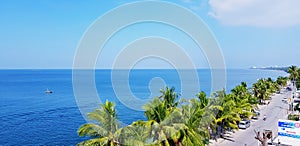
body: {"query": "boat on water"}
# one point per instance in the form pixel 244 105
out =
pixel 48 91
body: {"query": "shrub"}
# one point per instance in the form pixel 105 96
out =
pixel 293 117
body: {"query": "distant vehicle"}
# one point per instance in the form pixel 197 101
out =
pixel 256 114
pixel 246 119
pixel 48 91
pixel 265 117
pixel 244 124
pixel 284 101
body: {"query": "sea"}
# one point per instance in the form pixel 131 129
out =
pixel 29 116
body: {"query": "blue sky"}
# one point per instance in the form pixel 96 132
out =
pixel 45 33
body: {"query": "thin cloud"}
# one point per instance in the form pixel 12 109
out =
pixel 260 13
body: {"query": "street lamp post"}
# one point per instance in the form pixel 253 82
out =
pixel 295 90
pixel 294 94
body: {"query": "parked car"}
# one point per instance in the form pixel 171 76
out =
pixel 244 124
pixel 256 114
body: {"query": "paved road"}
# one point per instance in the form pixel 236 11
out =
pixel 274 111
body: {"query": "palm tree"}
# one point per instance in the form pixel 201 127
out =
pixel 229 114
pixel 160 113
pixel 298 79
pixel 105 130
pixel 264 88
pixel 293 73
pixel 240 90
pixel 137 133
pixel 272 86
pixel 203 100
pixel 260 90
pixel 281 81
pixel 156 110
pixel 241 94
pixel 204 117
pixel 207 109
pixel 196 118
pixel 169 96
pixel 171 125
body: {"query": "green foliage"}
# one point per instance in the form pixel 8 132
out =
pixel 282 81
pixel 169 122
pixel 293 70
pixel 294 75
pixel 105 130
pixel 293 117
pixel 264 88
pixel 297 107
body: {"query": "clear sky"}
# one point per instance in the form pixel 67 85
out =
pixel 45 33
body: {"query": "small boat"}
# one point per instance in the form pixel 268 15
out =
pixel 48 91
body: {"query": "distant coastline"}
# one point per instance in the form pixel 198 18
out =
pixel 285 69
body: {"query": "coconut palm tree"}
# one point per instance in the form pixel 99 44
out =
pixel 240 91
pixel 228 116
pixel 260 90
pixel 202 99
pixel 293 71
pixel 161 107
pixel 192 116
pixel 242 95
pixel 281 81
pixel 105 130
pixel 170 97
pixel 272 85
pixel 171 125
pixel 137 133
pixel 156 110
pixel 264 88
pixel 202 115
pixel 161 113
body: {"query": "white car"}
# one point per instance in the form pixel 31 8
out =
pixel 244 124
pixel 256 114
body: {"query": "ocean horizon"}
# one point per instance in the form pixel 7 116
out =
pixel 30 117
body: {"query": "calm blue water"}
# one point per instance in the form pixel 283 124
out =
pixel 28 116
